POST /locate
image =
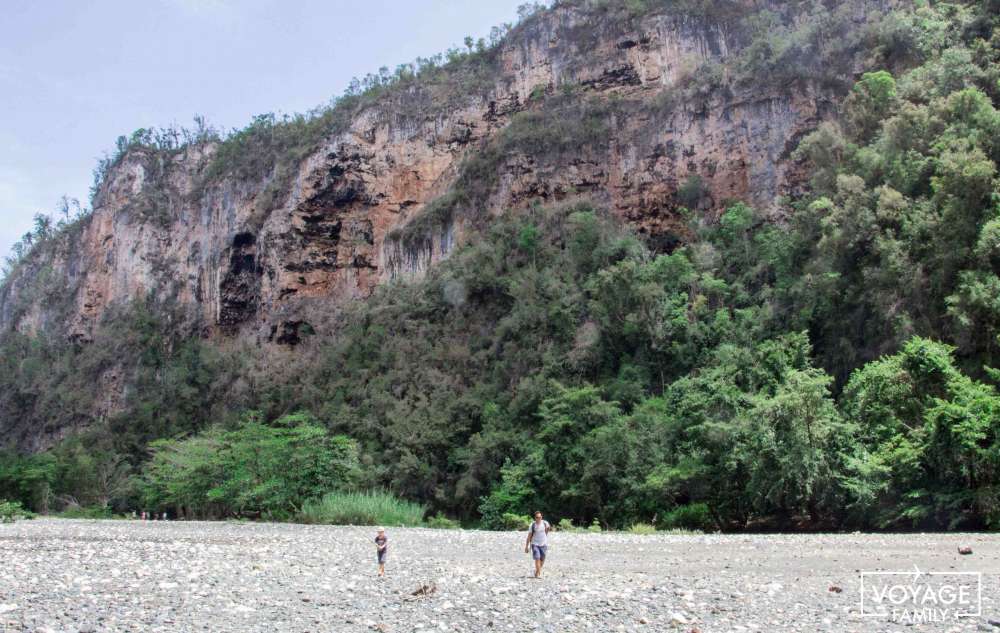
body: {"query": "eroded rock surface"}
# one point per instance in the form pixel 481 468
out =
pixel 240 257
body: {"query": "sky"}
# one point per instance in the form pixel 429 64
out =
pixel 76 75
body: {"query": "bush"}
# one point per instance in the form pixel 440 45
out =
pixel 692 191
pixel 595 526
pixel 11 511
pixel 642 528
pixel 512 493
pixel 694 516
pixel 87 512
pixel 566 525
pixel 511 521
pixel 254 470
pixel 441 522
pixel 362 508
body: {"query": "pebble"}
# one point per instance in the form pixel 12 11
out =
pixel 81 576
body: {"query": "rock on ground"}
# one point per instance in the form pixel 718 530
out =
pixel 68 575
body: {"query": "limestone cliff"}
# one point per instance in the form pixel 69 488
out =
pixel 241 257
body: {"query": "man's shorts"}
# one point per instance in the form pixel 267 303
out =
pixel 538 551
pixel 382 555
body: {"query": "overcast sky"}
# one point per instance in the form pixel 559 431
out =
pixel 76 75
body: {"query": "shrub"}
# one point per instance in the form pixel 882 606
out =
pixel 441 522
pixel 694 516
pixel 595 526
pixel 87 512
pixel 566 525
pixel 538 92
pixel 511 521
pixel 511 494
pixel 11 511
pixel 691 192
pixel 362 508
pixel 870 102
pixel 642 528
pixel 256 469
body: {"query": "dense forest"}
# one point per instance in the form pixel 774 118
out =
pixel 831 367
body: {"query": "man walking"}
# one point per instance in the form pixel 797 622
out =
pixel 538 542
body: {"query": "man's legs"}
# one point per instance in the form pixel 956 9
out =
pixel 538 553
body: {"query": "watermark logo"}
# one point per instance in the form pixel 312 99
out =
pixel 915 597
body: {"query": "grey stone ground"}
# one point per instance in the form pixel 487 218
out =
pixel 61 575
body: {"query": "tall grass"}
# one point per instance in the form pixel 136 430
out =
pixel 362 508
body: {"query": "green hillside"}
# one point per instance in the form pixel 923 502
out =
pixel 830 366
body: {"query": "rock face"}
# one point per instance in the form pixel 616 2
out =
pixel 237 260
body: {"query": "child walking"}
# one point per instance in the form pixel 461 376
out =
pixel 382 548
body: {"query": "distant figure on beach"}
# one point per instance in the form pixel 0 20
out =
pixel 382 549
pixel 538 542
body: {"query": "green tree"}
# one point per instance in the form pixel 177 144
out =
pixel 256 469
pixel 930 434
pixel 871 101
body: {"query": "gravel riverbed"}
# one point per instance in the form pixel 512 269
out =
pixel 69 575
